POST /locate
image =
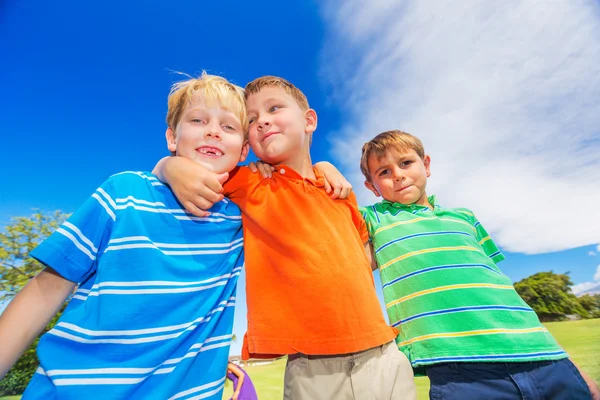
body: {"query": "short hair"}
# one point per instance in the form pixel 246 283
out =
pixel 269 81
pixel 386 141
pixel 216 89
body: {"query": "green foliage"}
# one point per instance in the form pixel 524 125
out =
pixel 550 296
pixel 16 269
pixel 16 242
pixel 591 304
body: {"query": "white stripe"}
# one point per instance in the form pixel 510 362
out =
pixel 165 283
pixel 162 329
pixel 81 235
pixel 171 252
pixel 107 197
pixel 96 381
pixel 191 354
pixel 106 207
pixel 145 202
pixel 79 297
pixel 137 371
pixel 175 211
pixel 76 243
pixel 207 394
pixel 199 389
pixel 160 291
pixel 174 245
pixel 40 371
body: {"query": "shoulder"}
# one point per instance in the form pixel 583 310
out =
pixel 137 178
pixel 464 213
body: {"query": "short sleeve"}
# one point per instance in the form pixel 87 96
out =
pixel 72 250
pixel 357 218
pixel 240 181
pixel 486 242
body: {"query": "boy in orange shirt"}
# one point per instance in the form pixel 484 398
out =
pixel 309 286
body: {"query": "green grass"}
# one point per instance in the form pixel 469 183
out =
pixel 581 339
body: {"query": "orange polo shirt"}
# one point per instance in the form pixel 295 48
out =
pixel 309 286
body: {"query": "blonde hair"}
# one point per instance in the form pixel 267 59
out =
pixel 215 89
pixel 269 81
pixel 390 140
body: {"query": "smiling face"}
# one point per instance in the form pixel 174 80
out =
pixel 209 135
pixel 279 130
pixel 399 176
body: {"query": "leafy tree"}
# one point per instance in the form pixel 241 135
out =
pixel 17 240
pixel 550 296
pixel 591 303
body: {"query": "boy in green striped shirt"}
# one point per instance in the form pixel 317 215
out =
pixel 460 319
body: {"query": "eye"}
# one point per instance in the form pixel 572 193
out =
pixel 384 172
pixel 406 163
pixel 228 128
pixel 251 120
pixel 274 108
pixel 198 121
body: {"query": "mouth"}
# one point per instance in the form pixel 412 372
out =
pixel 269 134
pixel 209 151
pixel 402 189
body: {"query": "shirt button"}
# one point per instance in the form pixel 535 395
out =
pixel 282 171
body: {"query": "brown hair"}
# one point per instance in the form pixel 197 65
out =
pixel 268 81
pixel 386 141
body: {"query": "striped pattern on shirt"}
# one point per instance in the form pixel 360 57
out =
pixel 444 292
pixel 153 314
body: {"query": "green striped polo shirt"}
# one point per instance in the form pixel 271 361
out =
pixel 444 292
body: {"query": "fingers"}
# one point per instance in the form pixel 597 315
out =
pixel 266 170
pixel 191 208
pixel 328 188
pixel 341 189
pixel 252 167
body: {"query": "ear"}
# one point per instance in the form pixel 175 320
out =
pixel 427 163
pixel 372 188
pixel 171 142
pixel 245 149
pixel 310 119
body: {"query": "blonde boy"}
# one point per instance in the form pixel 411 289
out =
pixel 460 319
pixel 152 316
pixel 309 289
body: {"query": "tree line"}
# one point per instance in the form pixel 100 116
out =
pixel 548 293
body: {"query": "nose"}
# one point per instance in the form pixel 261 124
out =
pixel 263 122
pixel 398 175
pixel 213 130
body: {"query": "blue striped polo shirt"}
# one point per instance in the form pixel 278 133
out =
pixel 152 316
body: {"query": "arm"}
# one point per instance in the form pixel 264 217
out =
pixel 29 313
pixel 196 188
pixel 334 180
pixel 240 375
pixel 370 256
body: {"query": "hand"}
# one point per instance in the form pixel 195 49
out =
pixel 235 395
pixel 335 183
pixel 196 188
pixel 266 170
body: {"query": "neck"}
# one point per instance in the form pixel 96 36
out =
pixel 302 164
pixel 424 201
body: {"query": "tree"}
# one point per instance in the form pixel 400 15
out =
pixel 21 236
pixel 591 304
pixel 550 296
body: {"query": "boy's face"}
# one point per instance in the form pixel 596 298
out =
pixel 278 128
pixel 399 177
pixel 211 136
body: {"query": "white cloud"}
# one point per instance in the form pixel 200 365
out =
pixel 504 95
pixel 588 287
pixel 591 253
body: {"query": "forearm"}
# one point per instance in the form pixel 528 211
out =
pixel 159 168
pixel 28 313
pixel 592 385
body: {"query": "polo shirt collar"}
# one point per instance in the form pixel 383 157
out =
pixel 389 204
pixel 290 173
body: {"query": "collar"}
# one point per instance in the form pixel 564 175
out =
pixel 389 204
pixel 289 173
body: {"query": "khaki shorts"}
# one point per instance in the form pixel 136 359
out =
pixel 380 373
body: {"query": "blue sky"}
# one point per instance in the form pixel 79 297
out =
pixel 509 116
